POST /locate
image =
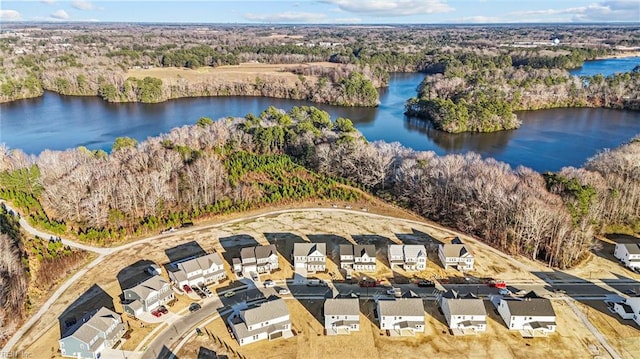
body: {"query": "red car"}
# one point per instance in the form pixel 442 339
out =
pixel 156 313
pixel 187 288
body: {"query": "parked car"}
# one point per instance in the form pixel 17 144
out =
pixel 156 313
pixel 229 294
pixel 284 291
pixel 559 291
pixel 630 292
pixel 194 307
pixel 186 288
pixel 162 309
pixel 269 283
pixel 153 269
pixel 497 284
pixel 426 283
pixel 504 291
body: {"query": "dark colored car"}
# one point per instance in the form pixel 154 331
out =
pixel 194 307
pixel 426 283
pixel 162 309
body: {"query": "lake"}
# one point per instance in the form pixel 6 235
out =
pixel 547 141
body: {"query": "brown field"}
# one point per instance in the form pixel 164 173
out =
pixel 571 341
pixel 623 335
pixel 245 72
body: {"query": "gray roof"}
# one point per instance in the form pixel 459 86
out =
pixel 360 249
pixel 395 250
pixel 305 249
pixel 92 324
pixel 531 305
pixel 455 250
pixel 414 250
pixel 346 249
pixel 632 248
pixel 199 263
pixel 247 253
pixel 465 306
pixel 267 311
pixel 265 251
pixel 341 306
pixel 146 288
pixel 401 307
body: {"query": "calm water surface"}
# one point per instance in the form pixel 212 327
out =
pixel 547 140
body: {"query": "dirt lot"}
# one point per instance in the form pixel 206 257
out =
pixel 571 341
pixel 245 72
pixel 623 335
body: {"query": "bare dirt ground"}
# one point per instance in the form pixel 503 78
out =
pixel 623 335
pixel 245 72
pixel 571 341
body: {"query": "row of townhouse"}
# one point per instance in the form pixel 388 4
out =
pixel 257 259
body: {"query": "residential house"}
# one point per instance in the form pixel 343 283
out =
pixel 310 256
pixel 95 332
pixel 410 257
pixel 192 271
pixel 258 259
pixel 401 316
pixel 361 258
pixel 531 313
pixel 465 314
pixel 146 296
pixel 270 320
pixel 456 254
pixel 629 309
pixel 341 316
pixel 629 254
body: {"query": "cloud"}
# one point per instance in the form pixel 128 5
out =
pixel 288 16
pixel 480 20
pixel 10 15
pixel 48 2
pixel 346 20
pixel 603 11
pixel 60 15
pixel 391 7
pixel 83 5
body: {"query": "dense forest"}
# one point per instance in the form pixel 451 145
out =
pixel 228 165
pixel 473 93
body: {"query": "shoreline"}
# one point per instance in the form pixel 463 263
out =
pixel 624 55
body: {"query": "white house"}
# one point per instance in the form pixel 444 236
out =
pixel 311 257
pixel 361 258
pixel 93 333
pixel 411 257
pixel 402 316
pixel 258 259
pixel 341 316
pixel 192 271
pixel 146 296
pixel 629 309
pixel 270 320
pixel 628 253
pixel 531 313
pixel 465 314
pixel 456 254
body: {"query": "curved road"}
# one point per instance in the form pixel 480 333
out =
pixel 182 328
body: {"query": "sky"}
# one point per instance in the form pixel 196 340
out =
pixel 324 11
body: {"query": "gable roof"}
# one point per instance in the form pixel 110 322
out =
pixel 200 263
pixel 92 324
pixel 265 251
pixel 415 250
pixel 396 250
pixel 456 250
pixel 456 240
pixel 346 249
pixel 341 306
pixel 248 253
pixel 632 248
pixel 465 306
pixel 359 250
pixel 401 307
pixel 306 249
pixel 531 305
pixel 266 311
pixel 149 286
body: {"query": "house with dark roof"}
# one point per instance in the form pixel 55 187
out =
pixel 257 259
pixel 464 314
pixel 456 254
pixel 629 308
pixel 410 257
pixel 93 333
pixel 269 320
pixel 361 258
pixel 628 254
pixel 341 316
pixel 311 257
pixel 205 269
pixel 401 316
pixel 146 296
pixel 531 313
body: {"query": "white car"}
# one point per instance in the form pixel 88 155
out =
pixel 284 291
pixel 269 283
pixel 504 291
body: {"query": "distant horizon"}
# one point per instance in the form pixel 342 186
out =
pixel 325 12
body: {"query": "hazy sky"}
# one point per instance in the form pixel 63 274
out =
pixel 324 11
